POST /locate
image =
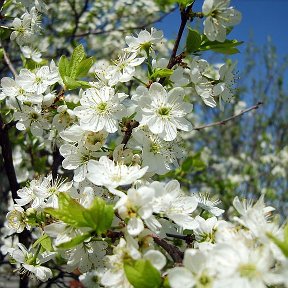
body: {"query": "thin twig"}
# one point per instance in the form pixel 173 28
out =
pixel 127 129
pixel 172 250
pixel 184 18
pixel 185 14
pixel 223 122
pixel 8 61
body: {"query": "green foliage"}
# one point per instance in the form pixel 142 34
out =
pixel 196 42
pixel 161 73
pixel 141 274
pixel 193 41
pixel 45 241
pixel 283 245
pixel 227 47
pixel 75 241
pixel 194 163
pixel 77 67
pixel 98 216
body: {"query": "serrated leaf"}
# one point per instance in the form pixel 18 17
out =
pixel 45 241
pixel 71 83
pixel 193 41
pixel 84 67
pixel 161 73
pixel 74 242
pixel 83 84
pixel 77 56
pixel 141 274
pixel 70 211
pixel 99 215
pixel 226 47
pixel 63 66
pixel 227 51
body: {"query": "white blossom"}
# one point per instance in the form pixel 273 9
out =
pixel 100 109
pixel 164 112
pixel 218 18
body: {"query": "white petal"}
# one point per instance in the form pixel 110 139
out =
pixel 157 259
pixel 135 226
pixel 180 278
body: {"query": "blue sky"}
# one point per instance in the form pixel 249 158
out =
pixel 263 18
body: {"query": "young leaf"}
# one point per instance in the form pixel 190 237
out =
pixel 77 56
pixel 283 245
pixel 63 66
pixel 70 211
pixel 71 83
pixel 75 241
pixel 161 73
pixel 193 41
pixel 227 47
pixel 141 274
pixel 99 216
pixel 84 67
pixel 45 241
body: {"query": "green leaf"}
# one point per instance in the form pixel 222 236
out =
pixel 141 274
pixel 286 233
pixel 77 56
pixel 161 73
pixel 227 51
pixel 45 241
pixel 226 47
pixel 70 211
pixel 63 66
pixel 283 245
pixel 84 84
pixel 71 83
pixel 99 215
pixel 193 41
pixel 193 163
pixel 75 241
pixel 84 67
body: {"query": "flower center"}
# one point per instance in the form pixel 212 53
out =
pixel 102 107
pixel 247 270
pixel 204 281
pixel 164 111
pixel 155 148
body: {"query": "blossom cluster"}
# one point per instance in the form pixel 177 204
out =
pixel 117 135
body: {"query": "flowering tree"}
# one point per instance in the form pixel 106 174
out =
pixel 98 178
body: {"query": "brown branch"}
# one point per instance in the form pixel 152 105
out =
pixel 184 18
pixel 24 237
pixel 8 61
pixel 8 160
pixel 185 15
pixel 127 129
pixel 172 250
pixel 223 122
